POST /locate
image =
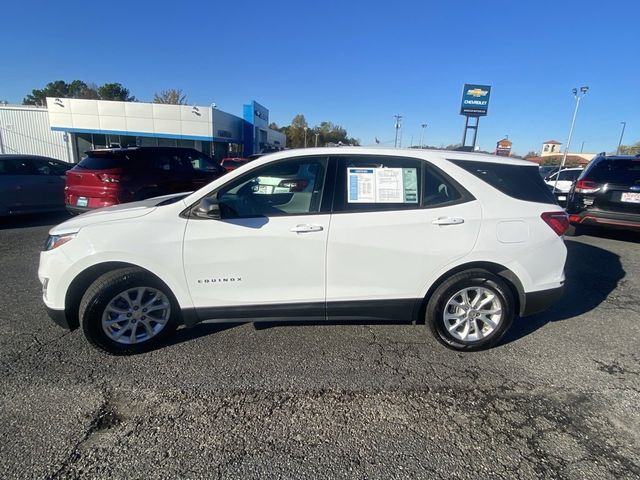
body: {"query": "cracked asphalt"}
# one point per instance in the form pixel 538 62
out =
pixel 557 399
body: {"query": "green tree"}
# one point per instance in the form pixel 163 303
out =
pixel 273 126
pixel 172 96
pixel 78 89
pixel 115 91
pixel 630 149
pixel 295 132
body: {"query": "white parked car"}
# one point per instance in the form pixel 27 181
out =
pixel 463 242
pixel 565 180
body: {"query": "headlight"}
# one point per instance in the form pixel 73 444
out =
pixel 54 241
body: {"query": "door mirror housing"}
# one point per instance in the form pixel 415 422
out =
pixel 208 208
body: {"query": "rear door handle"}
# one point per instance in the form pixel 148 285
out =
pixel 448 221
pixel 306 228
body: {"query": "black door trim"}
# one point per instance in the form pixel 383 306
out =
pixel 391 310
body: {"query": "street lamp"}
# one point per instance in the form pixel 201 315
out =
pixel 624 125
pixel 578 97
pixel 317 135
pixel 423 125
pixel 398 118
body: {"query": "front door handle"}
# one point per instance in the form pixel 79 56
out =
pixel 448 221
pixel 306 228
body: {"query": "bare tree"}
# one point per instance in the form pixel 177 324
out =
pixel 172 96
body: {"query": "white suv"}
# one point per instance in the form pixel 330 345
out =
pixel 460 241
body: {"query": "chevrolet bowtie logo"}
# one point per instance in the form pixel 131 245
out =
pixel 477 92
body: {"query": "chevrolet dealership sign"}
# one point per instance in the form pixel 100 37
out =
pixel 475 100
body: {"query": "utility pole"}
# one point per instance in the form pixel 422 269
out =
pixel 305 136
pixel 578 97
pixel 317 135
pixel 398 119
pixel 624 125
pixel 582 147
pixel 423 125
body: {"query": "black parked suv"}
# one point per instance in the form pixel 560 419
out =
pixel 607 194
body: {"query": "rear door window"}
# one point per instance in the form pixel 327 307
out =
pixel 373 183
pixel 517 181
pixel 625 172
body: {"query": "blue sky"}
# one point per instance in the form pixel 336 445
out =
pixel 354 63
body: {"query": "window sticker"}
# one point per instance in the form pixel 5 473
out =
pixel 382 185
pixel 410 183
pixel 360 186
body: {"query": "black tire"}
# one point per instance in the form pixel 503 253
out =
pixel 103 290
pixel 435 310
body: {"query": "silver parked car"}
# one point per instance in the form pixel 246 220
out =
pixel 30 184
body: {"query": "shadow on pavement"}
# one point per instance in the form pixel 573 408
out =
pixel 611 234
pixel 33 220
pixel 592 274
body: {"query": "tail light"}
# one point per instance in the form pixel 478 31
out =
pixel 294 185
pixel 108 178
pixel 586 186
pixel 558 221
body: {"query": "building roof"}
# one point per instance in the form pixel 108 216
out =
pixel 505 143
pixel 552 142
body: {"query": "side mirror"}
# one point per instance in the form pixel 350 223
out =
pixel 208 208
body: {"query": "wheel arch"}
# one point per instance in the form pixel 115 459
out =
pixel 84 279
pixel 510 278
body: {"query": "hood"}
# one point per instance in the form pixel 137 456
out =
pixel 117 212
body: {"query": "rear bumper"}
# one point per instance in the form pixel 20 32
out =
pixel 535 302
pixel 59 317
pixel 606 218
pixel 78 210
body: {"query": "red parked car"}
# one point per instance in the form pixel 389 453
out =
pixel 231 163
pixel 119 175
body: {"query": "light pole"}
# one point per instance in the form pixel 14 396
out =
pixel 317 135
pixel 423 125
pixel 578 97
pixel 305 136
pixel 624 125
pixel 398 118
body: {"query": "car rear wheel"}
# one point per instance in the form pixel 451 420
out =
pixel 128 311
pixel 472 310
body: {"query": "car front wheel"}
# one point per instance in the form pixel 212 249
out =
pixel 472 310
pixel 128 311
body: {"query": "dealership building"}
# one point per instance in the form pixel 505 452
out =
pixel 68 127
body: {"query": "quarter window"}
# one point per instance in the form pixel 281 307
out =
pixel 288 187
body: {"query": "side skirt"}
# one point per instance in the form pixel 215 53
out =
pixel 400 310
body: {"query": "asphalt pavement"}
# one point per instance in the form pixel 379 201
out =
pixel 558 398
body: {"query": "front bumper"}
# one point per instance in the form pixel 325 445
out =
pixel 59 317
pixel 536 302
pixel 606 218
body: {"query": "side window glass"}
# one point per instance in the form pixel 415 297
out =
pixel 161 162
pixel 370 183
pixel 288 187
pixel 200 162
pixel 437 189
pixel 23 167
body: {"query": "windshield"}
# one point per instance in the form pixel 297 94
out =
pixel 615 171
